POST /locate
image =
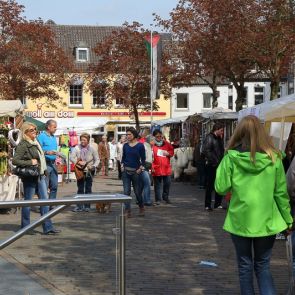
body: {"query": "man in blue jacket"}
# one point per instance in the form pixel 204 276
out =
pixel 48 143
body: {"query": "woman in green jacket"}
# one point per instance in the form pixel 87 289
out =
pixel 253 172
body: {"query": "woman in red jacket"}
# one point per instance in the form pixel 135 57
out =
pixel 161 167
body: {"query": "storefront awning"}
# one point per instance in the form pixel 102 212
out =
pixel 10 108
pixel 78 124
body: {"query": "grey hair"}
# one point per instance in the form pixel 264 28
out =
pixel 49 122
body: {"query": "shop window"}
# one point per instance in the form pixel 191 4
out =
pixel 207 100
pixel 76 95
pixel 82 54
pixel 181 101
pixel 258 95
pixel 291 87
pixel 230 97
pixel 98 98
pixel 245 103
pixel 280 92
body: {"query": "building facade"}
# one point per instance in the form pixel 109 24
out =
pixel 81 109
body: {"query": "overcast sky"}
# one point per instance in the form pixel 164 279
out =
pixel 97 12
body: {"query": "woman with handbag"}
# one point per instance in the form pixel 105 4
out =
pixel 86 160
pixel 31 167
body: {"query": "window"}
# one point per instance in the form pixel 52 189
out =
pixel 82 54
pixel 291 87
pixel 207 98
pixel 230 97
pixel 280 92
pixel 76 93
pixel 245 103
pixel 258 95
pixel 181 101
pixel 119 101
pixel 98 97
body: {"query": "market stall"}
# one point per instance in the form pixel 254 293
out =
pixel 10 111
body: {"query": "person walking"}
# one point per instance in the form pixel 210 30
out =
pixel 113 153
pixel 133 161
pixel 163 151
pixel 119 152
pixel 86 156
pixel 104 155
pixel 48 144
pixel 29 153
pixel 252 171
pixel 145 180
pixel 213 151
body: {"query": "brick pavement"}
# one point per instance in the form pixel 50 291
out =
pixel 163 249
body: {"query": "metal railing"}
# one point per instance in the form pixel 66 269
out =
pixel 64 203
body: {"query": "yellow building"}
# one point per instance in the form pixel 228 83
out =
pixel 81 110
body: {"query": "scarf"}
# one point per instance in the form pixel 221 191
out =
pixel 43 166
pixel 159 143
pixel 83 152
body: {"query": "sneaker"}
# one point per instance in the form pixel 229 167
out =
pixel 157 203
pixel 141 212
pixel 148 204
pixel 208 208
pixel 168 201
pixel 77 209
pixel 86 209
pixel 219 207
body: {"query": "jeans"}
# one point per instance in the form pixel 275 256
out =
pixel 52 179
pixel 210 176
pixel 129 178
pixel 31 185
pixel 85 187
pixel 119 169
pixel 166 187
pixel 145 187
pixel 262 247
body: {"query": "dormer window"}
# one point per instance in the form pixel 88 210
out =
pixel 82 54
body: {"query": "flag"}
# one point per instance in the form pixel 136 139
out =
pixel 153 48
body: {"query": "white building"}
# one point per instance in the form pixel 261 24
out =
pixel 187 101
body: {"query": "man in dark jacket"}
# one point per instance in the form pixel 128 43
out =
pixel 213 149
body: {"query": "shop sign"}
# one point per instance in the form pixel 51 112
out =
pixel 119 113
pixel 50 114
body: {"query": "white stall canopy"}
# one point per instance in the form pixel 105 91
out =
pixel 78 124
pixel 10 108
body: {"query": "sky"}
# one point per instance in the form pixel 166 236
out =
pixel 97 12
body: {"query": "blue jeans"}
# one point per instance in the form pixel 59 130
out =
pixel 31 185
pixel 166 187
pixel 85 187
pixel 145 187
pixel 129 178
pixel 52 179
pixel 262 247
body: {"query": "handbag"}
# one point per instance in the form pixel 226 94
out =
pixel 79 169
pixel 29 171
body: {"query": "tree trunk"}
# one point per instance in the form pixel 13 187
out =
pixel 274 88
pixel 136 116
pixel 215 95
pixel 241 96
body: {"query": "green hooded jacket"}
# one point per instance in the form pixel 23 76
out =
pixel 259 205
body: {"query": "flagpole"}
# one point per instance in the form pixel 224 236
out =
pixel 151 90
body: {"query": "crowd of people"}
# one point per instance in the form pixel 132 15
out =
pixel 249 170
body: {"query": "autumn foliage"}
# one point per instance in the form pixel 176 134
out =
pixel 31 63
pixel 123 70
pixel 232 40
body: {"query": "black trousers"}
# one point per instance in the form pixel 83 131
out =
pixel 210 177
pixel 119 169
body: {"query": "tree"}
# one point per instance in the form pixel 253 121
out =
pixel 213 38
pixel 276 34
pixel 123 70
pixel 31 63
